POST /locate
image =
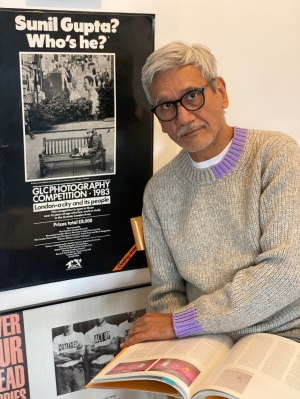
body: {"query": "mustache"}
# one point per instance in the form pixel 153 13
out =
pixel 189 128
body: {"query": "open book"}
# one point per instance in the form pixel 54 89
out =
pixel 258 366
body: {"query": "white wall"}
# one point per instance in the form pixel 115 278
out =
pixel 257 45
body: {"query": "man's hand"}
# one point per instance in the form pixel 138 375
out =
pixel 151 327
pixel 114 340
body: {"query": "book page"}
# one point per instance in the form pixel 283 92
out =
pixel 180 364
pixel 258 366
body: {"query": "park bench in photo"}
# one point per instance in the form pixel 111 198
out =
pixel 58 150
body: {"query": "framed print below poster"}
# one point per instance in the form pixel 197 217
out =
pixel 76 143
pixel 48 351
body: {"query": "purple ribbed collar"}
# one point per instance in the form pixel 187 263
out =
pixel 232 156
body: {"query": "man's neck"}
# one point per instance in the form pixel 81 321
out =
pixel 220 142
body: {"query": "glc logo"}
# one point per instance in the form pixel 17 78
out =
pixel 74 264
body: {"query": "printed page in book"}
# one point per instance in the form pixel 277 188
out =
pixel 182 365
pixel 258 366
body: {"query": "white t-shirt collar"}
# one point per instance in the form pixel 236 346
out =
pixel 212 161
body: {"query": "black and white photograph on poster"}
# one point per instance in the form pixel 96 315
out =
pixel 69 114
pixel 83 349
pixel 63 340
pixel 76 143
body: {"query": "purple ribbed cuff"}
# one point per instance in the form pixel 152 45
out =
pixel 233 155
pixel 186 324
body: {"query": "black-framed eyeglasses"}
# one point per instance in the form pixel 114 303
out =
pixel 191 101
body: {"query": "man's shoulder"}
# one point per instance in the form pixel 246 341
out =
pixel 125 324
pixel 78 334
pixel 167 172
pixel 94 93
pixel 91 331
pixel 111 325
pixel 113 328
pixel 59 337
pixel 268 143
pixel 268 137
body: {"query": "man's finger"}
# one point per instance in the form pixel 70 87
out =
pixel 135 339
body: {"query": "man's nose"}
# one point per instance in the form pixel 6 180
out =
pixel 183 115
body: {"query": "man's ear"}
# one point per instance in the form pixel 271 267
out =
pixel 221 89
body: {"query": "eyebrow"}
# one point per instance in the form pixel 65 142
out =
pixel 163 99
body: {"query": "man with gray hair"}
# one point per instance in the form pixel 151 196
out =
pixel 222 219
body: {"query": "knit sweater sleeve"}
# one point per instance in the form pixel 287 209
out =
pixel 171 294
pixel 258 297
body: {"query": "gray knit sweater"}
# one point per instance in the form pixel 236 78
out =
pixel 224 242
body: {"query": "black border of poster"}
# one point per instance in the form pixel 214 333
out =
pixel 71 218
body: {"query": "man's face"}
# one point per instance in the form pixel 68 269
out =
pixel 86 84
pixel 68 328
pixel 100 321
pixel 205 127
pixel 131 315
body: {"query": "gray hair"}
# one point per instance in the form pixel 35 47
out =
pixel 176 55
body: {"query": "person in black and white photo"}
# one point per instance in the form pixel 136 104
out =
pixel 38 95
pixel 68 351
pixel 93 149
pixel 88 84
pixel 101 345
pixel 27 124
pixel 105 77
pixel 74 93
pixel 127 324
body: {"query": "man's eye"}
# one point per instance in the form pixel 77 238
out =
pixel 165 106
pixel 192 95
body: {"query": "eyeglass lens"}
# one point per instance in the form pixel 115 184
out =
pixel 191 101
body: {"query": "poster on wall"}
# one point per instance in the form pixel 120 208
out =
pixel 53 351
pixel 76 143
pixel 13 359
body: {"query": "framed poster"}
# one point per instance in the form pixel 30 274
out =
pixel 76 143
pixel 46 351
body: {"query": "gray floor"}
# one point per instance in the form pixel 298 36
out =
pixel 57 170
